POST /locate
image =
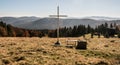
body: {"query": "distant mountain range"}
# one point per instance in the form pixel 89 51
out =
pixel 51 23
pixel 102 18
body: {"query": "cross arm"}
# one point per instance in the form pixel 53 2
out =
pixel 57 15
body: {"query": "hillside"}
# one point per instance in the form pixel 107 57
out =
pixel 51 23
pixel 40 51
pixel 16 21
pixel 7 30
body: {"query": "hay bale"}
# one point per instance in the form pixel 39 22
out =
pixel 81 45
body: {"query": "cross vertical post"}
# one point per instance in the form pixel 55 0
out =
pixel 58 24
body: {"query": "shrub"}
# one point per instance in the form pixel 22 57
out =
pixel 119 35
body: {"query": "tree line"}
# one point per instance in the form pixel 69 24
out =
pixel 80 30
pixel 10 31
pixel 7 30
pixel 74 31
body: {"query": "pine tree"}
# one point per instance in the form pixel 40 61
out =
pixel 111 25
pixel 74 31
pixel 88 29
pixel 106 25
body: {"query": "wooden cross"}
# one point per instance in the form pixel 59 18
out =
pixel 58 23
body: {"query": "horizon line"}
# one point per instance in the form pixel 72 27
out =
pixel 67 17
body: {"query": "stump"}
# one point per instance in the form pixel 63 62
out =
pixel 81 45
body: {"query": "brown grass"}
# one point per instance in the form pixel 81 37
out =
pixel 40 51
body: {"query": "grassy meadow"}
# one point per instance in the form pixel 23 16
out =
pixel 41 51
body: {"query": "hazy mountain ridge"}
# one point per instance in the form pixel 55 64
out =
pixel 18 20
pixel 51 23
pixel 102 18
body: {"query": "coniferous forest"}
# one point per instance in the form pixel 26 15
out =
pixel 106 30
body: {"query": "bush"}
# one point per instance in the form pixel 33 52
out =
pixel 119 35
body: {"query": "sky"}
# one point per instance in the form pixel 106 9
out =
pixel 72 8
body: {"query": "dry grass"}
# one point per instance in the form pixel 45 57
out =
pixel 40 51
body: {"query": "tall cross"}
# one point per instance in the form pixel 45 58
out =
pixel 58 23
